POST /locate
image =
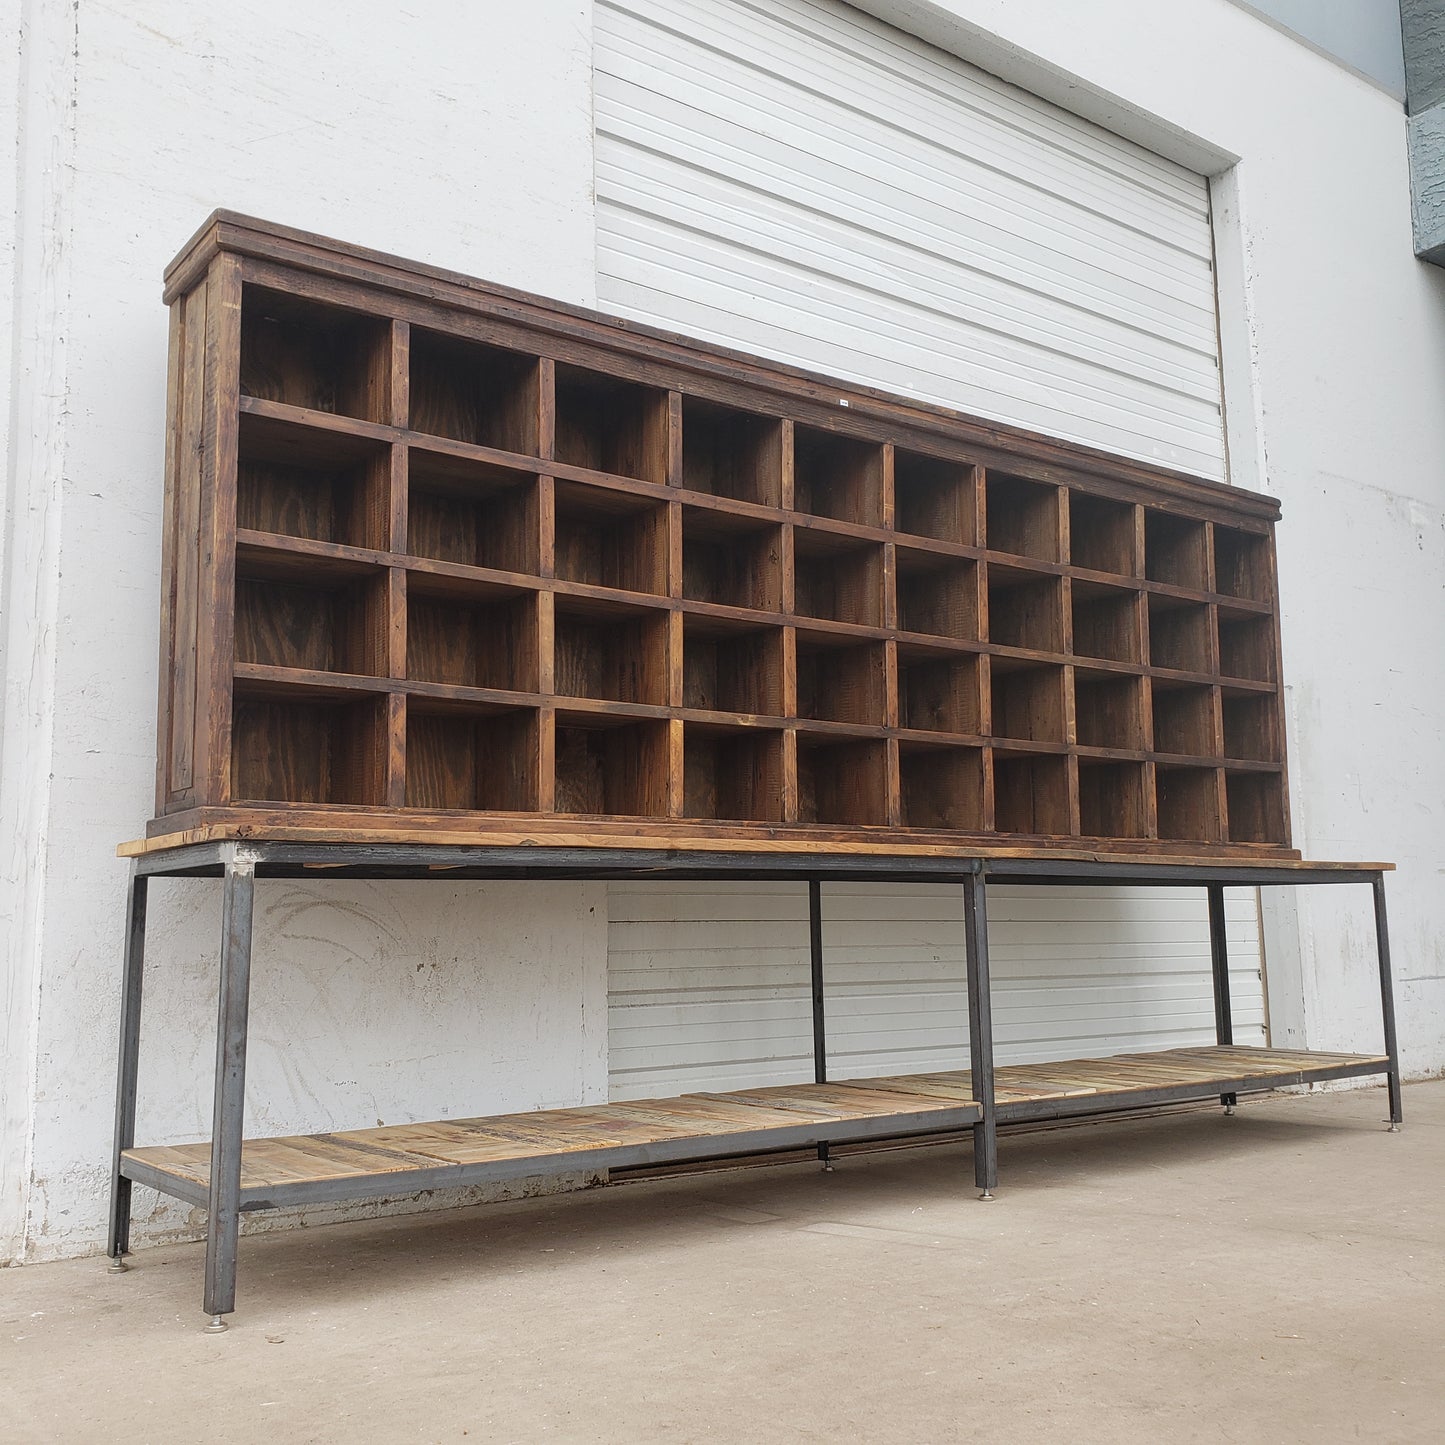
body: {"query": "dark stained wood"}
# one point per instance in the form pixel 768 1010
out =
pixel 609 425
pixel 837 476
pixel 1176 549
pixel 488 558
pixel 1022 517
pixel 730 453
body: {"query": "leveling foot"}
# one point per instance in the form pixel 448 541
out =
pixel 217 1326
pixel 118 1265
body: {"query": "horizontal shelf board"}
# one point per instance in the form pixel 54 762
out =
pixel 304 559
pixel 582 599
pixel 930 644
pixel 504 1146
pixel 724 506
pixel 453 697
pixel 603 492
pixel 923 737
pixel 1026 747
pixel 753 722
pixel 727 619
pixel 821 728
pixel 600 712
pixel 397 1157
pixel 430 578
pixel 824 632
pixel 827 536
pixel 1240 684
pixel 345 429
pixel 257 680
pixel 277 431
pixel 1111 755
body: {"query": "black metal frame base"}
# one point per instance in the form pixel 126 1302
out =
pixel 240 864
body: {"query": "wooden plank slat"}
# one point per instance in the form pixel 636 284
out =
pixel 535 1137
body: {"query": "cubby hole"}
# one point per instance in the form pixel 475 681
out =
pixel 734 774
pixel 1021 517
pixel 1241 564
pixel 1025 610
pixel 1246 648
pixel 837 476
pixel 1102 537
pixel 299 481
pixel 1251 727
pixel 938 693
pixel 842 781
pixel 1113 800
pixel 1106 621
pixel 614 656
pixel 730 670
pixel 937 596
pixel 1031 794
pixel 473 638
pixel 934 497
pixel 837 579
pixel 1184 720
pixel 607 766
pixel 470 758
pixel 1188 804
pixel 304 353
pixel 731 453
pixel 731 560
pixel 610 539
pixel 320 750
pixel 611 425
pixel 941 787
pixel 1179 635
pixel 337 621
pixel 1255 807
pixel 474 393
pixel 1028 703
pixel 842 683
pixel 1176 550
pixel 1109 710
pixel 472 513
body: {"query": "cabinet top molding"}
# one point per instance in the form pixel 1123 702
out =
pixel 860 410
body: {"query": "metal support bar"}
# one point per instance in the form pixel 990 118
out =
pixel 224 1222
pixel 1387 998
pixel 118 1245
pixel 1219 959
pixel 820 1024
pixel 980 1034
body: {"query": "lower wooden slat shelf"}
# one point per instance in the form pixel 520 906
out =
pixel 406 1158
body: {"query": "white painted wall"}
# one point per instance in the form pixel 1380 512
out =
pixel 457 132
pixel 461 134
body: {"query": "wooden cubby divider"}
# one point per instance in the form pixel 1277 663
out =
pixel 469 554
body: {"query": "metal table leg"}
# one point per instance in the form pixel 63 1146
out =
pixel 1219 959
pixel 820 1028
pixel 980 1035
pixel 118 1245
pixel 1387 999
pixel 230 1098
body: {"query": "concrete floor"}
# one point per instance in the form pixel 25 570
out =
pixel 1278 1276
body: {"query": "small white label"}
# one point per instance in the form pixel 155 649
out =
pixel 842 401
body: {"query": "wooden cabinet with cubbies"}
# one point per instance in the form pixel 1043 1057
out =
pixel 445 560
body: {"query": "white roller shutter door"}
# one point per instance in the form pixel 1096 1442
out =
pixel 801 181
pixel 798 180
pixel 709 983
